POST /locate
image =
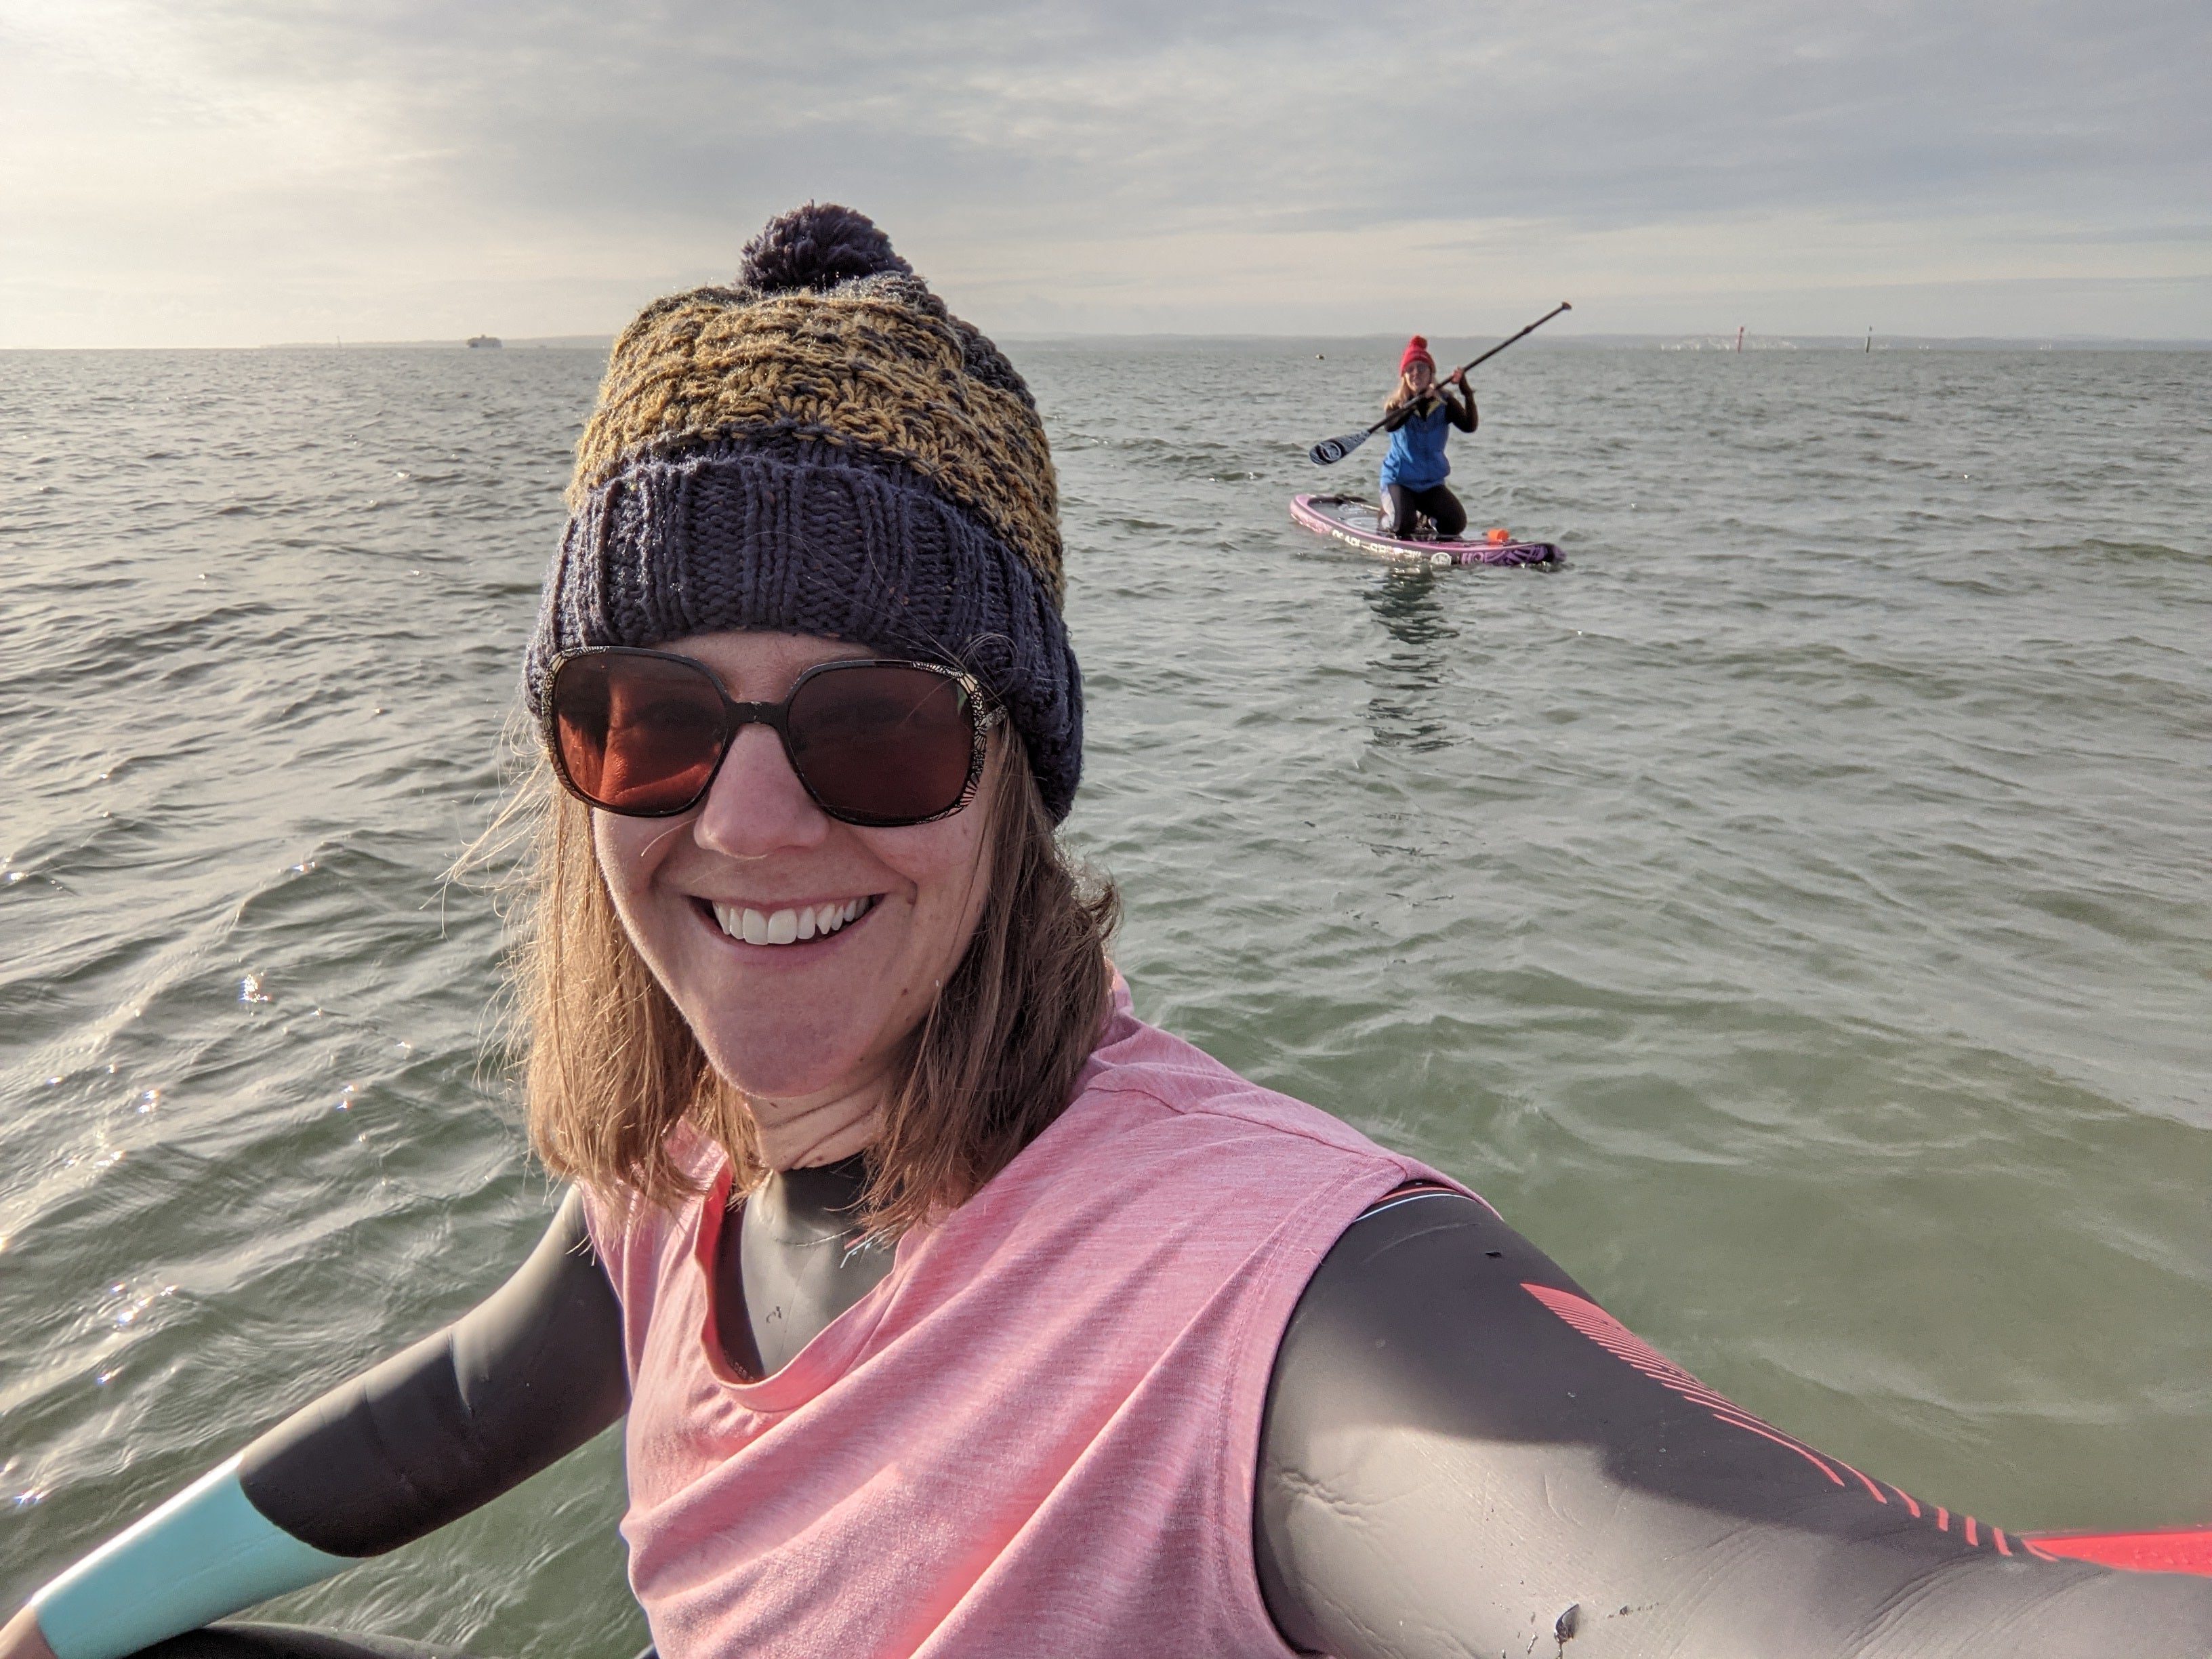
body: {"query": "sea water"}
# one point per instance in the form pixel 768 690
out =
pixel 1792 913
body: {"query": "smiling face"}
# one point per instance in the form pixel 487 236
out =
pixel 1420 375
pixel 801 951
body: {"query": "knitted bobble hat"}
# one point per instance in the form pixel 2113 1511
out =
pixel 823 448
pixel 1416 351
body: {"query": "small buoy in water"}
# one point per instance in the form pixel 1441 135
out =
pixel 1319 358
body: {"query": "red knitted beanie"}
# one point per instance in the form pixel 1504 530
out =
pixel 1417 349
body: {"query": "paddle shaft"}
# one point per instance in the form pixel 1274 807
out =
pixel 1462 370
pixel 1335 449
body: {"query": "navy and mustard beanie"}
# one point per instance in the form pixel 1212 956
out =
pixel 823 448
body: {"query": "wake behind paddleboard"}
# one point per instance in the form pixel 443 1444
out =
pixel 1350 520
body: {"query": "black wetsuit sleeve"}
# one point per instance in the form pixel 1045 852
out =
pixel 512 1386
pixel 1461 408
pixel 1463 1453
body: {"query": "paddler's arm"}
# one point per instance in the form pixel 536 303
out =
pixel 509 1387
pixel 1463 417
pixel 1463 1453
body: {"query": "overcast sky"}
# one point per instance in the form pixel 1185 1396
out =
pixel 240 172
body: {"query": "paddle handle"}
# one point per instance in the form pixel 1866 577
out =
pixel 1462 370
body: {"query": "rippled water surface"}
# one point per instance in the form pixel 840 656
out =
pixel 1792 913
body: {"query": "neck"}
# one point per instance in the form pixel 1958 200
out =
pixel 817 1129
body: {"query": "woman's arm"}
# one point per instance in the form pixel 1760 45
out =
pixel 525 1377
pixel 1463 1452
pixel 1462 407
pixel 514 1385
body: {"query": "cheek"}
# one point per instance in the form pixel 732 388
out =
pixel 951 876
pixel 949 889
pixel 607 848
pixel 624 849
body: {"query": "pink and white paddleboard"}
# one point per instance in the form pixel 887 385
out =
pixel 1353 521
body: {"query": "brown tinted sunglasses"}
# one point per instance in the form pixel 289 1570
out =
pixel 875 742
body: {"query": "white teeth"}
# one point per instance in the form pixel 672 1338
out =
pixel 787 926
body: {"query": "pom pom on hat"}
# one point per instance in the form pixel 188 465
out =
pixel 817 246
pixel 1417 350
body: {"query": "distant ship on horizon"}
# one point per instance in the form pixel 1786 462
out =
pixel 483 342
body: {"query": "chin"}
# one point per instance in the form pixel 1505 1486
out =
pixel 779 1063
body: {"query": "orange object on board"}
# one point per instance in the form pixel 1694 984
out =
pixel 1496 535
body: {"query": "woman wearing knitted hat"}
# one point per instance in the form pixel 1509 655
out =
pixel 953 1309
pixel 1422 416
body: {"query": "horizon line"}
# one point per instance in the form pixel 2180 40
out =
pixel 1799 338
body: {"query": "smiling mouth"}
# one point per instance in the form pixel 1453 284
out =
pixel 790 926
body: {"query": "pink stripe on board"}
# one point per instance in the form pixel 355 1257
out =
pixel 1942 1519
pixel 1971 1539
pixel 1911 1503
pixel 1997 1533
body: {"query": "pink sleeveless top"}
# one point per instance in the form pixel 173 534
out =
pixel 1037 1435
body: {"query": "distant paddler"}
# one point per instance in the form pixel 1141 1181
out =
pixel 1329 450
pixel 1420 415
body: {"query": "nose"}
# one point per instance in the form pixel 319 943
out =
pixel 758 805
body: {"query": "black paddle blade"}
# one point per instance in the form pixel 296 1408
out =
pixel 1329 450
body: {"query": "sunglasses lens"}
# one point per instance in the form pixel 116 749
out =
pixel 637 733
pixel 883 745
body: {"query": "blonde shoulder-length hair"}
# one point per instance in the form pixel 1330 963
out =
pixel 612 1069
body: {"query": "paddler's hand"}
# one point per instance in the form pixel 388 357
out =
pixel 22 1639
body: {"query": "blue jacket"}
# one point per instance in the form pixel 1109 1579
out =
pixel 1417 450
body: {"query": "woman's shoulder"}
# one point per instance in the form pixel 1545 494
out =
pixel 1167 1161
pixel 623 1225
pixel 1158 1087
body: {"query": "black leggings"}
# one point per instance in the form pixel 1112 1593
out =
pixel 1400 504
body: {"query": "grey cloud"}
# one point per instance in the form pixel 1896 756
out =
pixel 1161 116
pixel 556 163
